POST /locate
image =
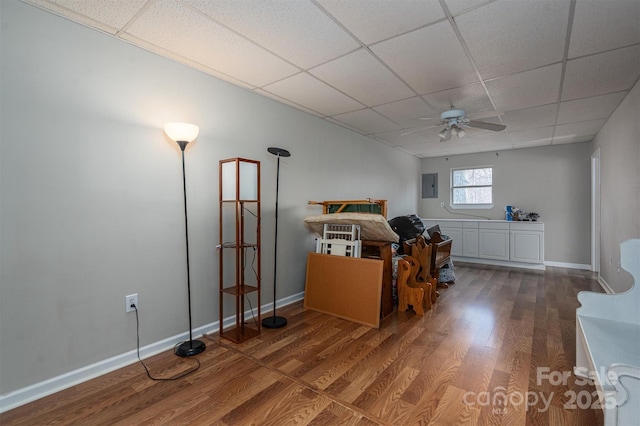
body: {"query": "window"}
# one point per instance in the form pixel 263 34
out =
pixel 472 188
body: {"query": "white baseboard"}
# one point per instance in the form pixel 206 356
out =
pixel 605 286
pixel 50 386
pixel 582 266
pixel 536 266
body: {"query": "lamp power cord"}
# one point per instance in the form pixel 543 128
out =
pixel 146 369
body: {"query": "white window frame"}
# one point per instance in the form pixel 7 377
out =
pixel 470 206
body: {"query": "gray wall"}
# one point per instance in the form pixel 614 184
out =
pixel 91 191
pixel 553 181
pixel 619 144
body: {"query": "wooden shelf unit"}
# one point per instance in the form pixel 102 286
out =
pixel 239 190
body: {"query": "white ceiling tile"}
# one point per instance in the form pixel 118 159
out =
pixel 529 137
pixel 572 139
pixel 408 112
pixel 606 72
pixel 401 138
pixel 589 108
pixel 471 98
pixel 108 15
pixel 429 59
pixel 346 74
pixel 287 102
pixel 531 32
pixel 530 118
pixel 184 60
pixel 375 20
pixel 457 7
pixel 367 121
pixel 575 132
pixel 484 137
pixel 311 93
pixel 179 28
pixel 603 25
pixel 295 30
pixel 530 88
pixel 346 126
pixel 429 149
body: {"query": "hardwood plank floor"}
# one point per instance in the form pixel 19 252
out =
pixel 490 352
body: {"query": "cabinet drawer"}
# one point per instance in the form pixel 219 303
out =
pixel 526 226
pixel 494 225
pixel 471 224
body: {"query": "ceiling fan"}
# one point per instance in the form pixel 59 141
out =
pixel 455 122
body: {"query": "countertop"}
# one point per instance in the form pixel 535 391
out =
pixel 480 220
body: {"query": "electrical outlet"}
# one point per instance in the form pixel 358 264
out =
pixel 131 299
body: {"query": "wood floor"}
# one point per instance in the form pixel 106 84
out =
pixel 496 339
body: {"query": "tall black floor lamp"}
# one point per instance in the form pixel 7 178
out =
pixel 182 134
pixel 276 321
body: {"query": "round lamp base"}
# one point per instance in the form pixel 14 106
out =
pixel 190 348
pixel 274 322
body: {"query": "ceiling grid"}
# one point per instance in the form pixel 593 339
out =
pixel 552 71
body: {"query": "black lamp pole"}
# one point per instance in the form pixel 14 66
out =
pixel 192 347
pixel 276 321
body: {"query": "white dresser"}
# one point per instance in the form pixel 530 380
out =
pixel 497 242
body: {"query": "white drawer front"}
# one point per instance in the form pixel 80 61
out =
pixel 495 225
pixel 526 226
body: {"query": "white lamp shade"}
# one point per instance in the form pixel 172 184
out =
pixel 183 132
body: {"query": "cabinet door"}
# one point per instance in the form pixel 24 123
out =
pixel 470 242
pixel 456 236
pixel 527 246
pixel 494 244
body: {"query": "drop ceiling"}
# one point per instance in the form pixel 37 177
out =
pixel 552 71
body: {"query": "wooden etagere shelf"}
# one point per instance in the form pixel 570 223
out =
pixel 239 248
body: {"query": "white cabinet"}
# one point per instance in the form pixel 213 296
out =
pixel 494 240
pixel 453 229
pixel 527 242
pixel 470 239
pixel 497 242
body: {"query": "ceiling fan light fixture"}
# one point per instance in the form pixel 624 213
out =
pixel 454 130
pixel 461 133
pixel 443 133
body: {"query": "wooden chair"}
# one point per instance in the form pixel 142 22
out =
pixel 440 255
pixel 421 251
pixel 409 296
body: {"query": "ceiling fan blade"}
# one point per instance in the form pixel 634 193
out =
pixel 447 135
pixel 484 114
pixel 486 126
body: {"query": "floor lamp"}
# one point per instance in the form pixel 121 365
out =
pixel 182 134
pixel 276 321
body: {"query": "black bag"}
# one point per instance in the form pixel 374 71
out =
pixel 407 227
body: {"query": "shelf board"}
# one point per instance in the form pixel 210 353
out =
pixel 238 335
pixel 242 289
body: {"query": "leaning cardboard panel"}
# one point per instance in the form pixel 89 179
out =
pixel 345 287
